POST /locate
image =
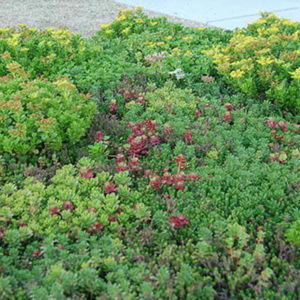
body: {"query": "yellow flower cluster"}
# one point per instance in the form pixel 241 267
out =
pixel 237 74
pixel 265 54
pixel 121 18
pixel 126 30
pixel 125 23
pixel 5 31
pixel 105 26
pixel 139 21
pixel 63 36
pixel 13 40
pixel 296 74
pixel 265 61
pixel 150 43
pixel 245 65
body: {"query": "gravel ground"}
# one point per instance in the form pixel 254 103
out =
pixel 80 16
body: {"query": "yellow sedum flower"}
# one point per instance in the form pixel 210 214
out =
pixel 260 22
pixel 50 30
pixel 149 43
pixel 287 22
pixel 125 31
pixel 160 44
pixel 105 26
pixel 263 52
pixel 12 42
pixel 237 74
pixel 220 58
pixel 139 21
pixel 261 31
pixel 168 38
pixel 265 61
pixel 272 30
pixel 212 51
pixel 243 64
pixel 121 18
pixel 153 23
pixel 296 74
pixel 5 30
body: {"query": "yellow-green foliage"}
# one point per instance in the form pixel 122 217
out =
pixel 36 115
pixel 263 60
pixel 32 205
pixel 39 52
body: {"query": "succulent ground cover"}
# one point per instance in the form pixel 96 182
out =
pixel 150 161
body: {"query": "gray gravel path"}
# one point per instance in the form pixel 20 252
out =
pixel 80 16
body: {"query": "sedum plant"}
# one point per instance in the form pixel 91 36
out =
pixel 263 60
pixel 131 169
pixel 38 116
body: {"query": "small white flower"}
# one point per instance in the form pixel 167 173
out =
pixel 178 73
